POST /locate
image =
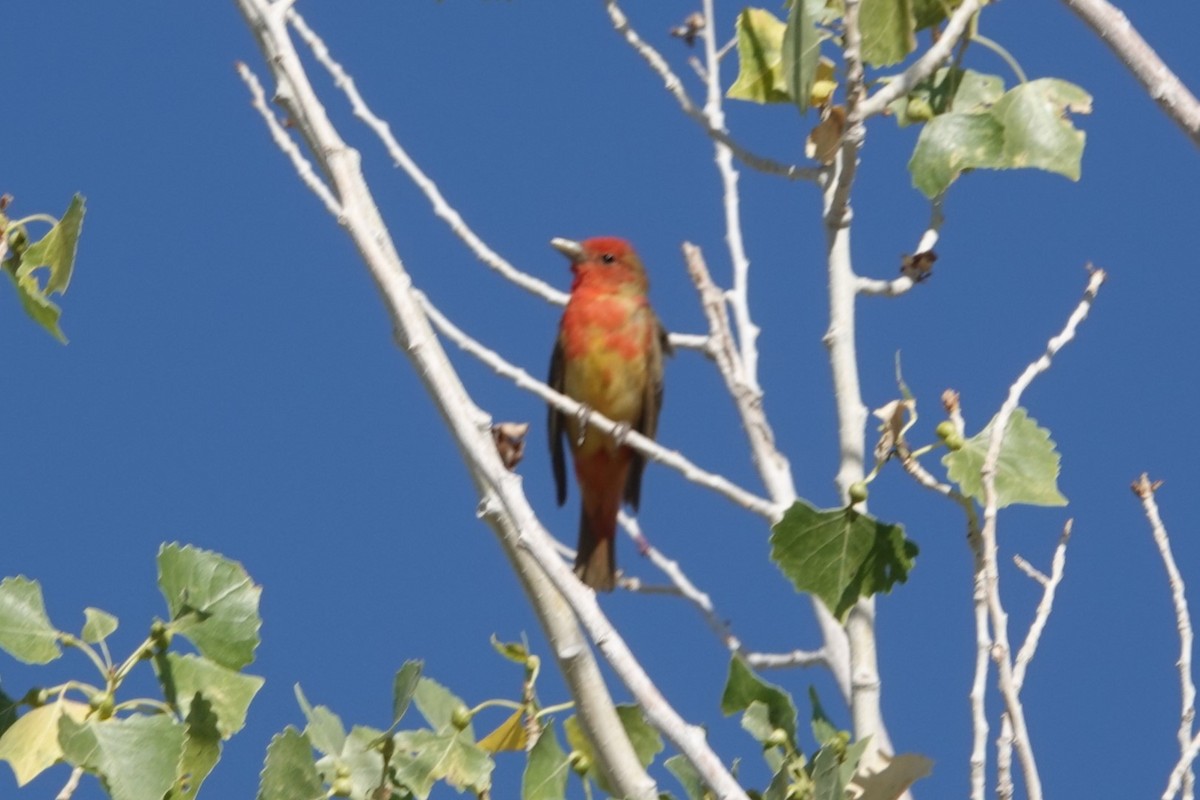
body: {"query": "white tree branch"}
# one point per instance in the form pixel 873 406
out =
pixel 739 295
pixel 675 87
pixel 924 66
pixel 772 465
pixel 1001 652
pixel 902 284
pixel 643 444
pixel 1116 31
pixel 503 504
pixel 1144 489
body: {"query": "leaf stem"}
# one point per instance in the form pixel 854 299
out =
pixel 69 640
pixel 999 50
pixel 548 710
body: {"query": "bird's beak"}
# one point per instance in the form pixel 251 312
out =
pixel 568 247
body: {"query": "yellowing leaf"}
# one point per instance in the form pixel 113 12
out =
pixel 31 744
pixel 760 55
pixel 509 736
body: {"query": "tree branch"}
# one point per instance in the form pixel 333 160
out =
pixel 1001 652
pixel 900 85
pixel 675 87
pixel 1116 31
pixel 502 505
pixel 1145 489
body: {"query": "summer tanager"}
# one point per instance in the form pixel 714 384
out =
pixel 609 358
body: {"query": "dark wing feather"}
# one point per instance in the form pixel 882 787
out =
pixel 557 426
pixel 648 422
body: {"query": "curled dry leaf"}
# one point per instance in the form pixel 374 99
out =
pixel 897 416
pixel 690 29
pixel 510 442
pixel 823 142
pixel 950 401
pixel 918 266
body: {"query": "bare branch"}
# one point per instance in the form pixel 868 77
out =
pixel 1049 585
pixel 71 785
pixel 1001 653
pixel 675 87
pixel 400 157
pixel 643 444
pixel 1116 31
pixel 1144 489
pixel 906 281
pixel 285 143
pixel 924 66
pixel 503 504
pixel 1183 765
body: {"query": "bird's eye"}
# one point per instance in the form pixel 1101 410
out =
pixel 608 258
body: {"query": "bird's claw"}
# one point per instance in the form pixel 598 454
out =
pixel 583 416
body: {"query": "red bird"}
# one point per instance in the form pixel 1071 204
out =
pixel 609 358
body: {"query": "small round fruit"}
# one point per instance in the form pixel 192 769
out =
pixel 858 492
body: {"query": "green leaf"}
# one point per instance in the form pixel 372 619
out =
pixel 887 31
pixel 547 770
pixel 760 58
pixel 324 730
pixel 1037 131
pixel 839 554
pixel 289 772
pixel 513 651
pixel 824 731
pixel 98 625
pixel 756 721
pixel 687 776
pixel 1028 126
pixel 425 757
pixel 799 54
pixel 25 630
pixel 928 13
pixel 743 687
pixel 827 775
pixel 510 736
pixel 212 601
pixel 645 739
pixel 577 739
pixel 201 751
pixel 226 693
pixel 136 756
pixel 56 249
pixel 951 143
pixel 1026 472
pixel 361 758
pixel 948 89
pixel 30 745
pixel 780 783
pixel 437 704
pixel 403 687
pixel 853 755
pixel 8 712
pixel 40 308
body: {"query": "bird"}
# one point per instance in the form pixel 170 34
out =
pixel 609 358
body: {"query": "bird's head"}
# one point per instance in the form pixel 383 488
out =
pixel 604 261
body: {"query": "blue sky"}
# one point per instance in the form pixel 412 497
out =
pixel 231 379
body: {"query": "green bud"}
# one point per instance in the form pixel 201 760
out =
pixel 461 717
pixel 342 787
pixel 102 703
pixel 919 109
pixel 579 762
pixel 858 492
pixel 777 738
pixel 18 238
pixel 945 429
pixel 955 442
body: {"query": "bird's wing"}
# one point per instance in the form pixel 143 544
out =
pixel 651 404
pixel 555 423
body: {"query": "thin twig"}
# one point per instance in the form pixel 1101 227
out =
pixel 739 294
pixel 1144 489
pixel 503 504
pixel 902 284
pixel 1045 606
pixel 987 545
pixel 400 157
pixel 71 785
pixel 1164 87
pixel 1182 766
pixel 284 142
pixel 643 444
pixel 675 87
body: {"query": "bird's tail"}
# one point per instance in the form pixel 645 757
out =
pixel 596 560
